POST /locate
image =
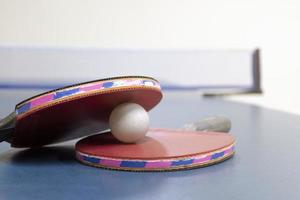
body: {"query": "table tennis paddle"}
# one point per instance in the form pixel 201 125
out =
pixel 75 111
pixel 160 150
pixel 84 109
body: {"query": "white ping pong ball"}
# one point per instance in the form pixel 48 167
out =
pixel 129 122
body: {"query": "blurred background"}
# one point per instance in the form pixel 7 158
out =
pixel 200 26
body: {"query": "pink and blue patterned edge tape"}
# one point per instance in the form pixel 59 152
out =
pixel 85 88
pixel 155 164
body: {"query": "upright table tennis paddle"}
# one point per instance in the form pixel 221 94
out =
pixel 75 111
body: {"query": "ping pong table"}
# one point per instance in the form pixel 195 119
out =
pixel 265 165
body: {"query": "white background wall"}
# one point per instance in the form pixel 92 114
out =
pixel 273 26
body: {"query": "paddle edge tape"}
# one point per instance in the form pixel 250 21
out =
pixel 195 161
pixel 95 88
pixel 84 83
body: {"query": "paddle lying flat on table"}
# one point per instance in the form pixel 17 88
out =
pixel 75 111
pixel 160 150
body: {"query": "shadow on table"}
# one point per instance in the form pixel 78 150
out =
pixel 45 155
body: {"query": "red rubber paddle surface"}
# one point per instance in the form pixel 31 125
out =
pixel 159 144
pixel 77 118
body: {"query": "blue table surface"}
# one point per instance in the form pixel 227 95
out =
pixel 265 166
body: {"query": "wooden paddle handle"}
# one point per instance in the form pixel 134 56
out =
pixel 211 124
pixel 7 126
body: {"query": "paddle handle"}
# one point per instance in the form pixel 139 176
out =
pixel 7 126
pixel 211 124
